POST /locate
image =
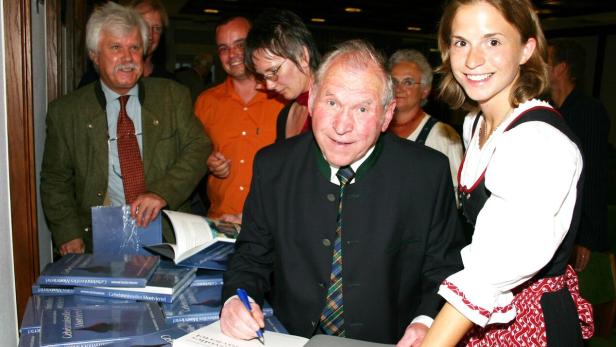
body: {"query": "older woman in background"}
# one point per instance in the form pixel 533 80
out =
pixel 412 77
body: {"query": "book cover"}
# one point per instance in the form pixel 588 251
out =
pixel 273 324
pixel 167 282
pixel 193 234
pixel 100 270
pixel 31 340
pixel 31 322
pixel 199 304
pixel 207 277
pixel 114 231
pixel 52 290
pixel 97 325
pixel 214 257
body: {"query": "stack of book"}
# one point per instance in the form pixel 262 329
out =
pixel 126 299
pixel 199 305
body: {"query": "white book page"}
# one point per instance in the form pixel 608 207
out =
pixel 211 336
pixel 192 233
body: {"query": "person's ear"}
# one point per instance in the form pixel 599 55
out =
pixel 560 69
pixel 304 61
pixel 527 50
pixel 425 92
pixel 389 114
pixel 93 56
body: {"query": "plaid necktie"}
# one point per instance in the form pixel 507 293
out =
pixel 332 318
pixel 131 166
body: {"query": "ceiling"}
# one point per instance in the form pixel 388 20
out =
pixel 412 17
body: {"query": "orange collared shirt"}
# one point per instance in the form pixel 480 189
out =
pixel 238 131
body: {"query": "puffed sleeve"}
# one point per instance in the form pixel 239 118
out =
pixel 532 177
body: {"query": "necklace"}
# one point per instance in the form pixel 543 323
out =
pixel 484 135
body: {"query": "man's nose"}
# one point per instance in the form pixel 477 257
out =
pixel 343 122
pixel 126 54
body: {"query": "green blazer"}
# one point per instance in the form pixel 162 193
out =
pixel 75 160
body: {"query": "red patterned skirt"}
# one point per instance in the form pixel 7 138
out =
pixel 529 326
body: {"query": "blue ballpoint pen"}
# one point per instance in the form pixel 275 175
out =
pixel 244 298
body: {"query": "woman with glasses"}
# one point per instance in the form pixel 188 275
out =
pixel 281 52
pixel 412 77
pixel 520 184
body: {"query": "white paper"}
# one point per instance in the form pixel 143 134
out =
pixel 211 336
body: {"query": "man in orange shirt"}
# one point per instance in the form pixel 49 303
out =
pixel 239 120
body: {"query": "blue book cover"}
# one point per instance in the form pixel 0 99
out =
pixel 52 290
pixel 98 325
pixel 214 257
pixel 31 340
pixel 207 277
pixel 199 304
pixel 167 282
pixel 31 322
pixel 114 231
pixel 273 324
pixel 100 270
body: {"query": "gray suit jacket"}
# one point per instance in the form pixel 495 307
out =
pixel 74 173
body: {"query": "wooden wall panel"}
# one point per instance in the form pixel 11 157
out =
pixel 18 72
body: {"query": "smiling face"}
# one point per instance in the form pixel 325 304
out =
pixel 408 97
pixel 347 113
pixel 119 59
pixel 486 55
pixel 230 38
pixel 281 74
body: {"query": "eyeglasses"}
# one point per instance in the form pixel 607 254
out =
pixel 272 75
pixel 406 83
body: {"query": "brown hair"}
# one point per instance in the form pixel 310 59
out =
pixel 533 78
pixel 154 5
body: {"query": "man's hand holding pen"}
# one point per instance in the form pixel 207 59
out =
pixel 237 321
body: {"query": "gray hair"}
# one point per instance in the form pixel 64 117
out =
pixel 360 55
pixel 115 19
pixel 413 56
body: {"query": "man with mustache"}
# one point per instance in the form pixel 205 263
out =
pixel 155 16
pixel 239 119
pixel 121 140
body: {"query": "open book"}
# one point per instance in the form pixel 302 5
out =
pixel 193 234
pixel 211 336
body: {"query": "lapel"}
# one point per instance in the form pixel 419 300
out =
pixel 97 130
pixel 150 126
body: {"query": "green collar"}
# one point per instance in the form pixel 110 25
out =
pixel 325 170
